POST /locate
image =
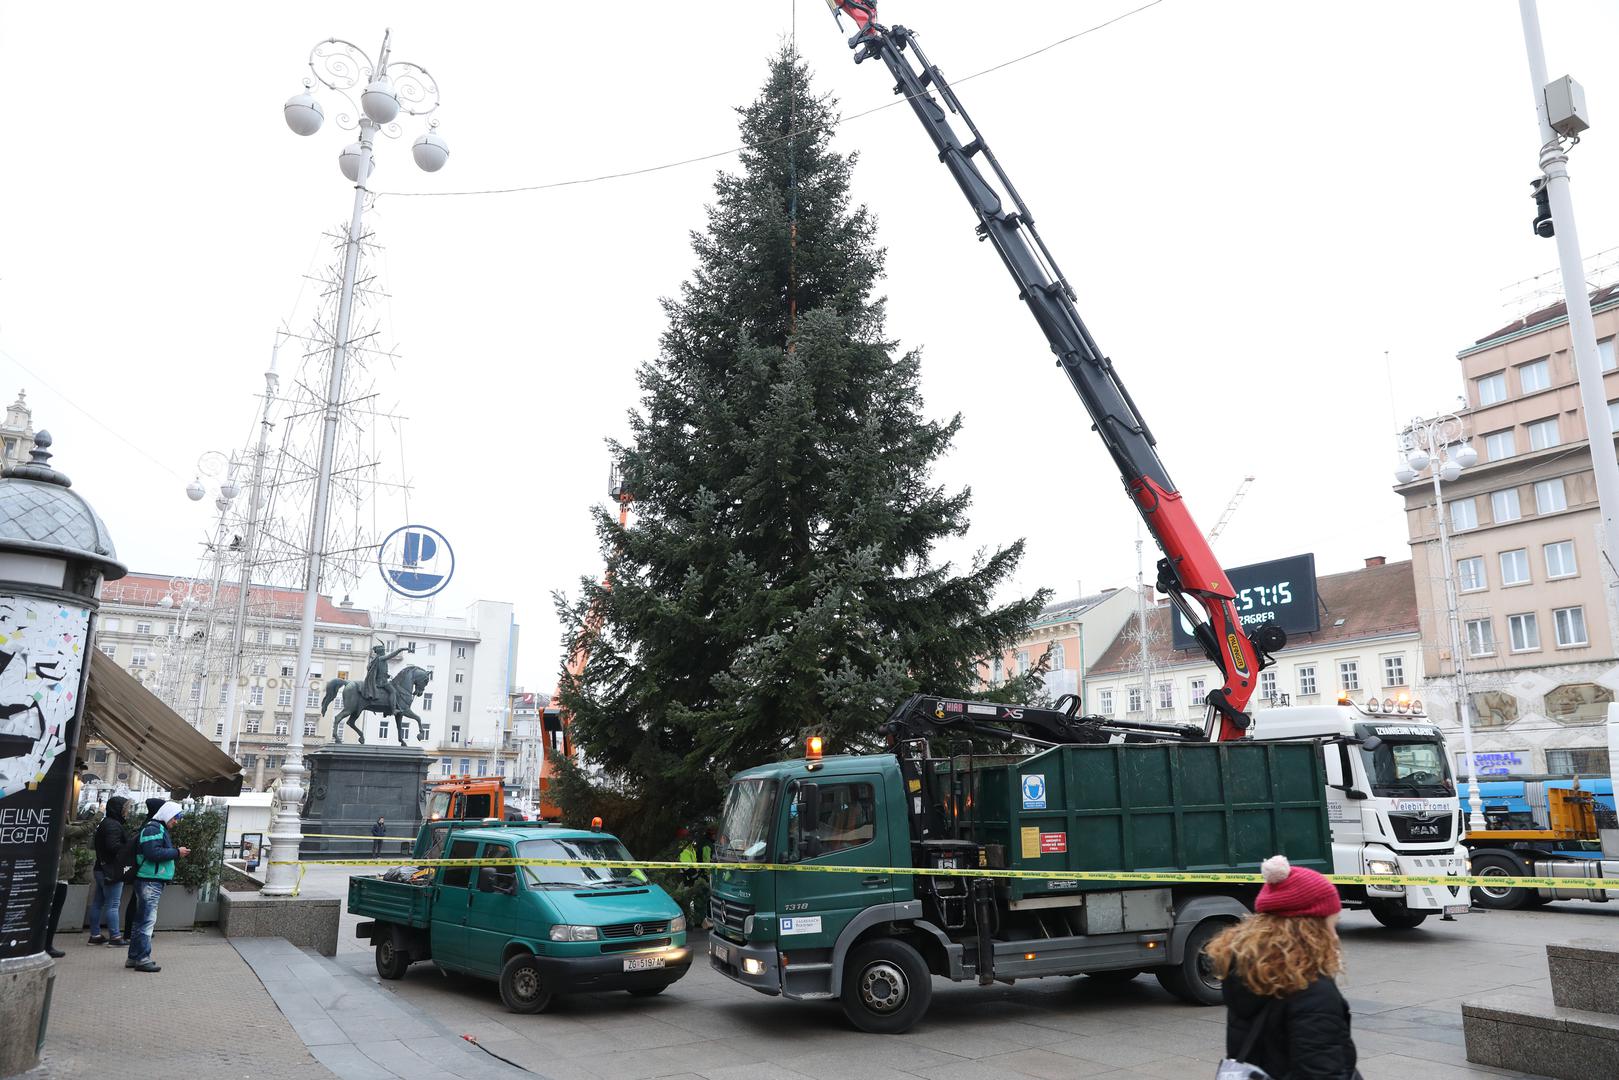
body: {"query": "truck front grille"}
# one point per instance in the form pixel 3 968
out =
pixel 1421 829
pixel 728 913
pixel 640 929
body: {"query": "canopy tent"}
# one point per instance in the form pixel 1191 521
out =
pixel 130 718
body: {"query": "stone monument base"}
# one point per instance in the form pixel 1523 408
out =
pixel 305 921
pixel 25 1003
pixel 350 786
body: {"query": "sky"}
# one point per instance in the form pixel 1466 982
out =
pixel 1256 204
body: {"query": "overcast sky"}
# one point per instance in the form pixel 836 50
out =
pixel 1254 201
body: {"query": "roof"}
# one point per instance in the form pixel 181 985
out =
pixel 534 832
pixel 148 590
pixel 142 729
pixel 1068 610
pixel 1374 601
pixel 1555 313
pixel 41 514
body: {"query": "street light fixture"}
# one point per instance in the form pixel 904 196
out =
pixel 1440 445
pixel 387 88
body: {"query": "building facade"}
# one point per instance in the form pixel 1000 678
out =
pixel 17 433
pixel 1534 605
pixel 1069 635
pixel 1368 646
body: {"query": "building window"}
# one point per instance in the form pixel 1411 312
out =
pixel 252 725
pixel 255 695
pixel 1470 574
pixel 1055 656
pixel 1582 762
pixel 312 698
pixel 1133 700
pixel 427 701
pixel 455 703
pixel 1613 415
pixel 424 731
pixel 1605 353
pixel 224 692
pixel 483 766
pixel 1022 664
pixel 1166 695
pixel 1499 444
pixel 1492 389
pixel 289 668
pixel 261 637
pixel 108 649
pixel 460 652
pixel 283 697
pixel 309 728
pixel 1349 674
pixel 1534 376
pixel 343 645
pixel 249 760
pixel 1550 496
pixel 1560 559
pixel 455 737
pixel 1306 676
pixel 261 666
pixel 1524 632
pixel 382 729
pixel 1504 506
pixel 500 767
pixel 144 629
pixel 289 641
pixel 1570 626
pixel 1543 433
pixel 1104 701
pixel 1480 637
pixel 1199 691
pixel 196 691
pixel 137 657
pixel 1515 567
pixel 410 646
pixel 1463 514
pixel 432 648
pixel 1267 685
pixel 281 725
pixel 219 729
pixel 1394 670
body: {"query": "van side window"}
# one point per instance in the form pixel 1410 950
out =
pixel 497 850
pixel 458 877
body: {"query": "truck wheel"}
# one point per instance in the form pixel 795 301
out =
pixel 886 987
pixel 391 959
pixel 1193 979
pixel 1116 975
pixel 521 989
pixel 1397 916
pixel 1499 897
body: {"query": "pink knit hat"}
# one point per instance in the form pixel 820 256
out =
pixel 1295 891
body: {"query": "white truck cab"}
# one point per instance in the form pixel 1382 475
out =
pixel 1391 801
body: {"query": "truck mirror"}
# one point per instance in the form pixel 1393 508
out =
pixel 1371 742
pixel 491 879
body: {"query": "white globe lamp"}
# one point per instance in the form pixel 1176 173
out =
pixel 1449 471
pixel 430 152
pixel 1417 459
pixel 230 489
pixel 1404 474
pixel 1465 456
pixel 304 114
pixel 195 491
pixel 349 162
pixel 379 101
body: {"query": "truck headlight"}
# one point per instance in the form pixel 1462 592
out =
pixel 1382 866
pixel 677 924
pixel 750 966
pixel 567 932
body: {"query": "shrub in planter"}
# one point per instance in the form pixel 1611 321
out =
pixel 78 851
pixel 200 830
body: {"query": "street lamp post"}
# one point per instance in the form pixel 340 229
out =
pixel 388 87
pixel 1440 446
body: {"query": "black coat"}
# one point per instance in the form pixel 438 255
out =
pixel 110 836
pixel 1305 1037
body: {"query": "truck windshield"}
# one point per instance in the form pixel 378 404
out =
pixel 744 832
pixel 575 877
pixel 438 806
pixel 1408 768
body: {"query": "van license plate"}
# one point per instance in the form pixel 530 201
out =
pixel 643 963
pixel 1456 909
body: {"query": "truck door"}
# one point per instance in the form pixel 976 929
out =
pixel 493 918
pixel 451 895
pixel 840 824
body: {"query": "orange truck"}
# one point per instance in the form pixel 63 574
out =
pixel 472 798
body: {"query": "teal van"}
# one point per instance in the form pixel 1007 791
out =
pixel 539 931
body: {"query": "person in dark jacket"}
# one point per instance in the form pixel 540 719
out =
pixel 1284 1012
pixel 131 909
pixel 378 831
pixel 154 869
pixel 109 876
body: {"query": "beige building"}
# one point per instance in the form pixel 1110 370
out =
pixel 1537 633
pixel 1368 647
pixel 1070 635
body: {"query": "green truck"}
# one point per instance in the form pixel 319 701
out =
pixel 539 931
pixel 1102 799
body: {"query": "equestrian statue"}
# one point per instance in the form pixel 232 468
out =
pixel 378 694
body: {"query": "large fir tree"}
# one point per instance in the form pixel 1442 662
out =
pixel 777 576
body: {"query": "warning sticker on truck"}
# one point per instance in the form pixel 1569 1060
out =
pixel 1051 842
pixel 1034 791
pixel 1029 842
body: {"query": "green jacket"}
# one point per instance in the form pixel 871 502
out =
pixel 154 860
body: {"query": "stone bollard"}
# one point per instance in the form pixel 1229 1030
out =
pixel 54 554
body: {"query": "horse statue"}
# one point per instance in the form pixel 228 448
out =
pixel 408 683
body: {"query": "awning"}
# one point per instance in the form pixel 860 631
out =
pixel 130 718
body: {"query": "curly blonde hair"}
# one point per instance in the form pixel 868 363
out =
pixel 1276 954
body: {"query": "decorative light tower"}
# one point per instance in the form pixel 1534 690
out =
pixel 1440 446
pixel 386 89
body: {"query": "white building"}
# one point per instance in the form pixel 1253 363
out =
pixel 1369 645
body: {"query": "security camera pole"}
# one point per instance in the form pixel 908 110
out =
pixel 1561 109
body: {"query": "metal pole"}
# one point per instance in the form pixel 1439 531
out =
pixel 1582 332
pixel 1475 805
pixel 286 831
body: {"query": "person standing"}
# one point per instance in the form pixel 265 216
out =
pixel 378 831
pixel 154 870
pixel 1284 1012
pixel 109 876
pixel 132 909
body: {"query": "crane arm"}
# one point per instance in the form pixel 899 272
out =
pixel 1188 573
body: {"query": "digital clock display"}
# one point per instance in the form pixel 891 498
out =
pixel 1280 592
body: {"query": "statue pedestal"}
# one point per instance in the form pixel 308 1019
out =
pixel 350 786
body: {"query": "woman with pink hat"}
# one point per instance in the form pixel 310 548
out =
pixel 1285 1018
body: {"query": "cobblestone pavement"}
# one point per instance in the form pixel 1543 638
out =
pixel 204 1015
pixel 1405 989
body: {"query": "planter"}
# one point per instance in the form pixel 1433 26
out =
pixel 177 910
pixel 75 910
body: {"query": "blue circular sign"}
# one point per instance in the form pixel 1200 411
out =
pixel 416 561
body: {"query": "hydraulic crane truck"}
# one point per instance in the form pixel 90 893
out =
pixel 1164 800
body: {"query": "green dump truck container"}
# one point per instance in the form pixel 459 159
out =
pixel 874 938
